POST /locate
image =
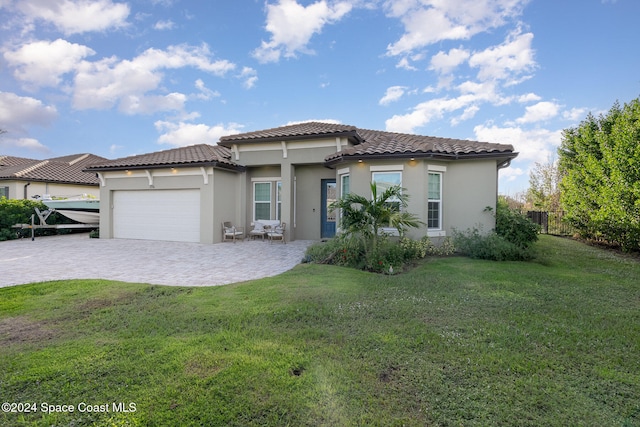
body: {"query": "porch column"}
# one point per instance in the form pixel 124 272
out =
pixel 287 171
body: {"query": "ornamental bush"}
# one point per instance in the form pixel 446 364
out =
pixel 514 226
pixel 474 244
pixel 14 212
pixel 388 257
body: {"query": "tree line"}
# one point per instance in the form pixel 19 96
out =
pixel 596 179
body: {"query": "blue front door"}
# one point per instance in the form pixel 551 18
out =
pixel 328 226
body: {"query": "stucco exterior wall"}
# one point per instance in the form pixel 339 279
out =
pixel 308 200
pixel 468 187
pixel 219 195
pixel 16 189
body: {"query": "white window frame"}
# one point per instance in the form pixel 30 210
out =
pixel 386 172
pixel 438 200
pixel 278 200
pixel 255 202
pixel 383 170
pixel 342 178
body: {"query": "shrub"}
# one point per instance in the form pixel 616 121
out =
pixel 474 244
pixel 14 212
pixel 388 256
pixel 515 227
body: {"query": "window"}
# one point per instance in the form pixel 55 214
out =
pixel 434 204
pixel 344 185
pixel 4 192
pixel 279 200
pixel 261 200
pixel 386 180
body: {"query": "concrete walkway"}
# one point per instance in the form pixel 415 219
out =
pixel 76 256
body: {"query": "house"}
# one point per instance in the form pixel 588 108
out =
pixel 22 178
pixel 292 174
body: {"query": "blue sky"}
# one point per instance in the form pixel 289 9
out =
pixel 117 78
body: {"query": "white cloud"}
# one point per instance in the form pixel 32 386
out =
pixel 430 21
pixel 468 113
pixel 425 112
pixel 394 93
pixel 510 174
pixel 529 97
pixel 182 134
pixel 575 114
pixel 250 77
pixel 539 112
pixel 533 145
pixel 105 83
pixel 404 63
pixel 149 104
pixel 446 62
pixel 17 113
pixel 292 26
pixel 205 93
pixel 164 25
pixel 43 63
pixel 76 16
pixel 29 144
pixel 503 62
pixel 471 95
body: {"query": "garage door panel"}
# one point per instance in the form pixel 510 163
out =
pixel 172 215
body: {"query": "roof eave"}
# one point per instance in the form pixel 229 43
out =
pixel 421 155
pixel 215 164
pixel 56 181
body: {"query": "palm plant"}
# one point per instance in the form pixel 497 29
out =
pixel 367 217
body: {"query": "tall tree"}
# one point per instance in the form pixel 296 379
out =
pixel 601 189
pixel 544 186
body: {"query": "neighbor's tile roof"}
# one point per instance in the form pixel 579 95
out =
pixel 66 169
pixel 6 161
pixel 380 143
pixel 191 155
pixel 296 131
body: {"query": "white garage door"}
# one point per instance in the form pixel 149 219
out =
pixel 172 215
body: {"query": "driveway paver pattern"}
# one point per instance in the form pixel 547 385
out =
pixel 76 256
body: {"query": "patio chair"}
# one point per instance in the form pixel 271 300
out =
pixel 231 232
pixel 277 233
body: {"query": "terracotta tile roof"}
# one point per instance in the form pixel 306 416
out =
pixel 381 144
pixel 296 131
pixel 366 143
pixel 6 161
pixel 374 143
pixel 67 169
pixel 193 155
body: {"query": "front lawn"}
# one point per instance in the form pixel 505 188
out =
pixel 456 341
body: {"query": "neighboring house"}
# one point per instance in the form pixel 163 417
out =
pixel 292 173
pixel 22 178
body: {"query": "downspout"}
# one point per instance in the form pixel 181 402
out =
pixel 25 189
pixel 504 164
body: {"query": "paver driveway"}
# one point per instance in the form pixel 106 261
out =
pixel 77 256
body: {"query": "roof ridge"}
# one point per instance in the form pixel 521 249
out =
pixel 82 157
pixel 32 168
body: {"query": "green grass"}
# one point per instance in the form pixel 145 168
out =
pixel 455 341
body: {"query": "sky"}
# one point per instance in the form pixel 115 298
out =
pixel 119 78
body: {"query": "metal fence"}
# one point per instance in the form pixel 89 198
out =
pixel 551 222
